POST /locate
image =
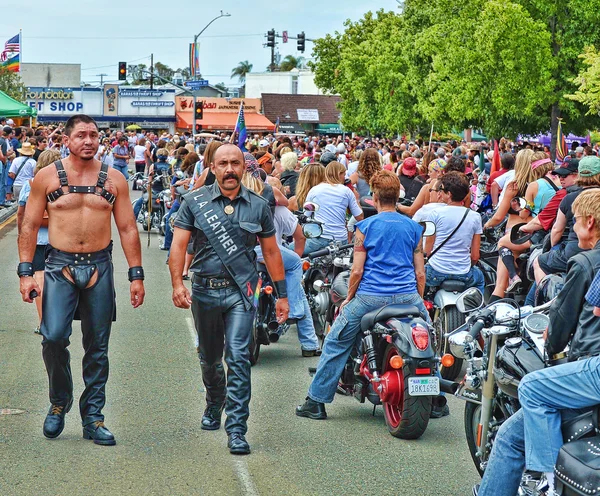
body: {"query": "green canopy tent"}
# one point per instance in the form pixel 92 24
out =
pixel 9 107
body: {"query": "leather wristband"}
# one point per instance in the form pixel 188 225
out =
pixel 280 288
pixel 135 274
pixel 25 269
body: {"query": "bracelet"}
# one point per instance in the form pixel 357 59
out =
pixel 280 289
pixel 136 274
pixel 25 269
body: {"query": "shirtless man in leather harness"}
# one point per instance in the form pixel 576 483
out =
pixel 79 194
pixel 224 221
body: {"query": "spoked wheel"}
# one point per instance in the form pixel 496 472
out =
pixel 472 416
pixel 254 344
pixel 406 416
pixel 449 319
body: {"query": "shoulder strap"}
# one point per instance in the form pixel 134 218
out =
pixel 551 183
pixel 451 234
pixel 102 175
pixel 21 168
pixel 226 242
pixel 62 173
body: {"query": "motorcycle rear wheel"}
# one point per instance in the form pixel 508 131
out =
pixel 449 319
pixel 406 416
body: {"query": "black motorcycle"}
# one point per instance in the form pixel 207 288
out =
pixel 160 201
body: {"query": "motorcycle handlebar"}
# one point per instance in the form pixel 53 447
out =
pixel 476 328
pixel 318 253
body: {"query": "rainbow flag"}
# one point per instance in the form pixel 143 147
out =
pixel 277 126
pixel 13 64
pixel 240 128
pixel 194 59
pixel 561 145
pixel 257 292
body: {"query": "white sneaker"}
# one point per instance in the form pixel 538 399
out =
pixel 513 282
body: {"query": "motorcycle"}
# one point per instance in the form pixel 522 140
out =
pixel 395 364
pixel 161 202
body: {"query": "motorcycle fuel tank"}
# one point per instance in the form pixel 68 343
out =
pixel 339 288
pixel 513 361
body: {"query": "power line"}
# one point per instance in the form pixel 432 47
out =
pixel 112 65
pixel 140 37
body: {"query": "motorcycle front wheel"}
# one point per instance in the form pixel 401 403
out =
pixel 472 416
pixel 449 319
pixel 161 222
pixel 406 416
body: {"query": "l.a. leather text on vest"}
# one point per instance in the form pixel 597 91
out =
pixel 219 229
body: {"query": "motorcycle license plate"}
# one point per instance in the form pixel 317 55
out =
pixel 423 386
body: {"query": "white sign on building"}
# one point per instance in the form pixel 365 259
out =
pixel 308 115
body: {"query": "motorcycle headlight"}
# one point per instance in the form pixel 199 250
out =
pixel 457 344
pixel 318 285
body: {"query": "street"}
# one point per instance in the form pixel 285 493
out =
pixel 155 400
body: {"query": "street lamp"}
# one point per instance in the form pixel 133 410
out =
pixel 226 14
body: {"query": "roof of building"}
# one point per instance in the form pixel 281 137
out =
pixel 277 105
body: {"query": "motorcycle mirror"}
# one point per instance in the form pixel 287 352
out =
pixel 428 228
pixel 517 237
pixel 469 301
pixel 402 194
pixel 518 203
pixel 312 230
pixel 310 207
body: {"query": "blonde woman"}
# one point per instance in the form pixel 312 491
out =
pixel 289 176
pixel 334 200
pixel 310 175
pixel 46 158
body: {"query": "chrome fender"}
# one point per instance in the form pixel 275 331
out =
pixel 445 298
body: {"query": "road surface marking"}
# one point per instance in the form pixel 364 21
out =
pixel 8 221
pixel 240 468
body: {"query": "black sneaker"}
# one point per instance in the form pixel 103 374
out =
pixel 312 409
pixel 439 412
pixel 311 353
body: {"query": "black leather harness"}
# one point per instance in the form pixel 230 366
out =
pixel 98 189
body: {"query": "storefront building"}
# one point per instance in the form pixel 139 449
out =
pixel 111 106
pixel 220 114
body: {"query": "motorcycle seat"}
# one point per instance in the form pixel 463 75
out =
pixel 396 310
pixel 450 285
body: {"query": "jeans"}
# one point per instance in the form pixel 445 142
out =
pixel 299 307
pixel 314 244
pixel 168 231
pixel 137 206
pixel 3 176
pixel 530 299
pixel 532 437
pixel 223 324
pixel 122 169
pixel 343 336
pixel 473 278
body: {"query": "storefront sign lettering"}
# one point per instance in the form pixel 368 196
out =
pixel 141 93
pixel 151 103
pixel 49 95
pixel 58 106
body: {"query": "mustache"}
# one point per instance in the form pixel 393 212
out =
pixel 231 176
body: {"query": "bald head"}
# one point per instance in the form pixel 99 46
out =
pixel 228 166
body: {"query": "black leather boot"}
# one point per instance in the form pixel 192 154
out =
pixel 312 410
pixel 97 432
pixel 237 444
pixel 55 420
pixel 211 420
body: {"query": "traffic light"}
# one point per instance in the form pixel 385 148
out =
pixel 271 38
pixel 198 109
pixel 122 71
pixel 301 41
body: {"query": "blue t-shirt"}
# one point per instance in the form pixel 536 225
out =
pixel 390 241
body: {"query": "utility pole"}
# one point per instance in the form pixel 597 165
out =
pixel 152 71
pixel 102 76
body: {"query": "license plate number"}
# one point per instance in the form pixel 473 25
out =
pixel 423 386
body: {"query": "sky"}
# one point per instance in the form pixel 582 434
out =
pixel 98 34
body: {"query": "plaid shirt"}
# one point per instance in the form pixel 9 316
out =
pixel 593 294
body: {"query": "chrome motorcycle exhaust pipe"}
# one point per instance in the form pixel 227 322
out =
pixel 447 386
pixel 273 327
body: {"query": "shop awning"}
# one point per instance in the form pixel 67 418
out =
pixel 224 122
pixel 329 128
pixel 9 107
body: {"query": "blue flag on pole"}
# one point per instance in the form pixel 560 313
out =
pixel 240 128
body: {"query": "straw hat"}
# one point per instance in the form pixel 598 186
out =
pixel 26 149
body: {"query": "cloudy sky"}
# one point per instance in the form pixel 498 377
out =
pixel 99 34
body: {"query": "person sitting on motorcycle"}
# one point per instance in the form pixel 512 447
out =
pixel 157 186
pixel 310 175
pixel 555 261
pixel 409 179
pixel 458 236
pixel 435 202
pixel 388 268
pixel 531 438
pixel 333 199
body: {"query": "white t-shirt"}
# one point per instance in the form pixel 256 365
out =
pixel 424 213
pixel 503 180
pixel 139 151
pixel 455 255
pixel 26 172
pixel 333 201
pixel 352 168
pixel 285 224
pixel 132 140
pixel 341 158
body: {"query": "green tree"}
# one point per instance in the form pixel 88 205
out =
pixel 290 62
pixel 221 86
pixel 138 73
pixel 588 82
pixel 164 71
pixel 241 70
pixel 11 84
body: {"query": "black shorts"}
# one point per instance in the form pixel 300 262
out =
pixel 39 258
pixel 553 261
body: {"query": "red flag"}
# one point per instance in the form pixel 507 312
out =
pixel 496 166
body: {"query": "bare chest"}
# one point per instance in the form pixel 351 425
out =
pixel 71 201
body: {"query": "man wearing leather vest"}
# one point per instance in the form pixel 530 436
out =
pixel 224 221
pixel 532 437
pixel 79 194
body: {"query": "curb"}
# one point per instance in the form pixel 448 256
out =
pixel 7 213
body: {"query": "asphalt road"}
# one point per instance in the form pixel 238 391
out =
pixel 155 401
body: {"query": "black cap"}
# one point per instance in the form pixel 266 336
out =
pixel 567 168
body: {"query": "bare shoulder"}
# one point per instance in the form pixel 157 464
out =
pixel 46 177
pixel 116 183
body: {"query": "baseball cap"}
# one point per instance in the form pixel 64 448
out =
pixel 579 149
pixel 7 129
pixel 10 122
pixel 331 148
pixel 567 167
pixel 263 143
pixel 589 166
pixel 409 167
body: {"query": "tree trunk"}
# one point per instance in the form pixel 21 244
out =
pixel 555 114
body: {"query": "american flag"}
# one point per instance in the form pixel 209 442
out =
pixel 11 46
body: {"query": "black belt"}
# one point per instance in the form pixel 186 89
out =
pixel 212 282
pixel 58 256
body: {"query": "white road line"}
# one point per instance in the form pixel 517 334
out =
pixel 240 468
pixel 192 329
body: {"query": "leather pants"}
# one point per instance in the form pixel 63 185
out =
pixel 65 300
pixel 223 323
